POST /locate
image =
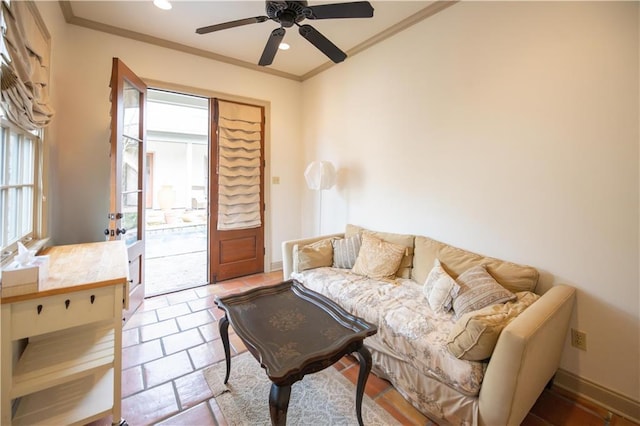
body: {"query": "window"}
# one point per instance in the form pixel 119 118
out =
pixel 20 171
pixel 25 46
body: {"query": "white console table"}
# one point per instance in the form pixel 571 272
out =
pixel 70 369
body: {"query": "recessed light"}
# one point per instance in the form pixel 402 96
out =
pixel 284 46
pixel 162 4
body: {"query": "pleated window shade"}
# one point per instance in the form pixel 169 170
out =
pixel 239 157
pixel 24 63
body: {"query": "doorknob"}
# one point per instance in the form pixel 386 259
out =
pixel 121 231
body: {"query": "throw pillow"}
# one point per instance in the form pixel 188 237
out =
pixel 440 288
pixel 477 290
pixel 474 336
pixel 377 258
pixel 404 270
pixel 314 255
pixel 345 251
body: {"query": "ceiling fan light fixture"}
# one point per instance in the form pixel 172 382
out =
pixel 284 46
pixel 288 13
pixel 162 4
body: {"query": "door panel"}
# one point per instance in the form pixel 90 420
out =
pixel 238 249
pixel 128 99
pixel 236 231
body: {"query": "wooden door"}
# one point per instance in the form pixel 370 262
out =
pixel 236 224
pixel 128 100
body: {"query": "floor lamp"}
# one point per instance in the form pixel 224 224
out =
pixel 320 175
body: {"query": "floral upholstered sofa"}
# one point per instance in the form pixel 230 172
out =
pixel 463 337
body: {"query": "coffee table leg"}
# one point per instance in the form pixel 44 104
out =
pixel 278 404
pixel 223 325
pixel 364 359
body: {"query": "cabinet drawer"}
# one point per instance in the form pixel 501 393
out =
pixel 46 314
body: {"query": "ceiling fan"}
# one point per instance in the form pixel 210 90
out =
pixel 290 13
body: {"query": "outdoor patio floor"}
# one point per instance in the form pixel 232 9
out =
pixel 176 258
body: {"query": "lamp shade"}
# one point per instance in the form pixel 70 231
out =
pixel 320 175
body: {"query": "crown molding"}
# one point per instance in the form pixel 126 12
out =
pixel 70 18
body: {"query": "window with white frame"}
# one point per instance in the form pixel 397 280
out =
pixel 20 152
pixel 25 46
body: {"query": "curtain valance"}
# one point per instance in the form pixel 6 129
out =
pixel 24 58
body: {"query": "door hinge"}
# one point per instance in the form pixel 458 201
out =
pixel 264 250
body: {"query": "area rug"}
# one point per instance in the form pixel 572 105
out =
pixel 322 398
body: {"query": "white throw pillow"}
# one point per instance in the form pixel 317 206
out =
pixel 440 289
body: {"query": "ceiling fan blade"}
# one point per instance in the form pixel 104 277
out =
pixel 271 48
pixel 231 24
pixel 357 9
pixel 322 43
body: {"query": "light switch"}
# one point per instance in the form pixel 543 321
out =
pixel 275 180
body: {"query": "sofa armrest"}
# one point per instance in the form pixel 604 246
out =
pixel 287 251
pixel 525 358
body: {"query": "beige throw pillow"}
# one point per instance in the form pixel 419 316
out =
pixel 377 258
pixel 477 290
pixel 474 336
pixel 404 270
pixel 440 288
pixel 345 251
pixel 314 255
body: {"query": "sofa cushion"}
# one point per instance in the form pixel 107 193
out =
pixel 512 276
pixel 475 334
pixel 404 270
pixel 440 288
pixel 314 255
pixel 345 251
pixel 378 258
pixel 478 289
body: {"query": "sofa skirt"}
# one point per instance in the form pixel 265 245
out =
pixel 436 400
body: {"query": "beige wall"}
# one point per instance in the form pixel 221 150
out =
pixel 506 128
pixel 79 135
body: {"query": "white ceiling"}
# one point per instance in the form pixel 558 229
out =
pixel 175 28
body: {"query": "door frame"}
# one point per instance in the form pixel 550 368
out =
pixel 197 91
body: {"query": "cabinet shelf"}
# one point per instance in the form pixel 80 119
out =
pixel 61 346
pixel 58 357
pixel 72 403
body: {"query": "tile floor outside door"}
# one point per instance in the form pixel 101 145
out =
pixel 170 340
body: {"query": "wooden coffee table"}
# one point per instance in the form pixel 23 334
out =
pixel 293 331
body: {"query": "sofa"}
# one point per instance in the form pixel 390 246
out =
pixel 462 353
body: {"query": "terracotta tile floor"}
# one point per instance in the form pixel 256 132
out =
pixel 172 337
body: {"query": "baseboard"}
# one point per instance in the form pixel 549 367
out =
pixel 606 398
pixel 276 266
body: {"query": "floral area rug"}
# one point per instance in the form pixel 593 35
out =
pixel 322 398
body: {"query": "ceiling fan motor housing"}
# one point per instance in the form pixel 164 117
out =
pixel 287 13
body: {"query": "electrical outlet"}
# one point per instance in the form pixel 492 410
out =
pixel 579 339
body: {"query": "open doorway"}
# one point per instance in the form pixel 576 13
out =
pixel 177 187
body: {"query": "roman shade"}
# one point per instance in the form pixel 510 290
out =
pixel 239 156
pixel 24 58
